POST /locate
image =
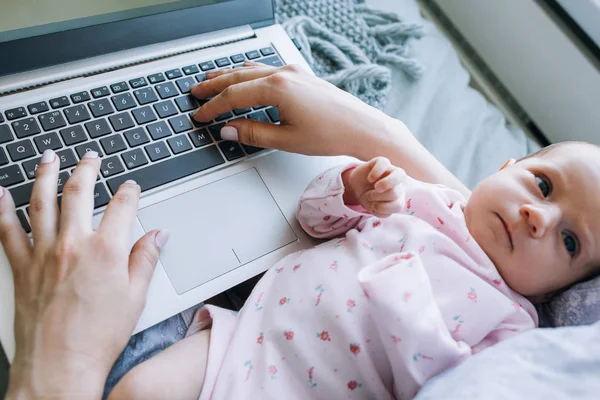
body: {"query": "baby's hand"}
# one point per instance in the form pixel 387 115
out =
pixel 376 186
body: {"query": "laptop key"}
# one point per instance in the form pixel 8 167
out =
pixel 101 108
pixel 273 61
pixel 31 166
pixel 254 54
pixel 138 82
pixel 23 221
pixel 67 158
pixel 179 144
pixel 63 177
pixel 158 130
pixel 200 138
pixel 173 73
pixel 100 92
pixel 222 62
pixel 37 108
pixel 87 147
pixel 201 77
pixel 119 87
pixel 136 137
pixel 237 58
pixel 267 51
pixel 231 150
pixel 113 144
pixel 186 103
pixel 77 114
pixel 156 78
pixel 80 97
pixel 258 116
pixel 52 120
pixel 111 166
pixel 59 102
pixel 170 170
pixel 10 176
pixel 5 134
pixel 144 115
pixel 180 123
pixel 273 113
pixel 190 69
pixel 207 66
pixel 101 197
pixel 3 157
pixel 121 121
pixel 15 113
pixel 252 149
pixel 157 151
pixel 124 101
pixel 134 158
pixel 73 135
pixel 47 141
pixel 240 111
pixel 224 116
pixel 26 127
pixel 20 150
pixel 215 131
pixel 98 128
pixel 165 109
pixel 166 90
pixel 145 96
pixel 185 84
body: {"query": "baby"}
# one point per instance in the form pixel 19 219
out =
pixel 417 279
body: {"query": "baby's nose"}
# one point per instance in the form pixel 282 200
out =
pixel 540 218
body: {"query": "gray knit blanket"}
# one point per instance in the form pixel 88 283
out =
pixel 351 44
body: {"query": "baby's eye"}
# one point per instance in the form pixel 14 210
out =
pixel 570 243
pixel 544 185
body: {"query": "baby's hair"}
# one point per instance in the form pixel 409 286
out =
pixel 544 152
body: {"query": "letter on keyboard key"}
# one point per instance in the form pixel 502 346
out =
pixel 179 144
pixel 121 121
pixel 157 151
pixel 73 135
pixel 87 147
pixel 170 170
pixel 97 128
pixel 11 175
pixel 180 123
pixel 159 130
pixel 165 109
pixel 136 137
pixel 113 144
pixel 144 115
pixel 47 141
pixel 20 150
pixel 67 158
pixel 31 166
pixel 134 158
pixel 111 166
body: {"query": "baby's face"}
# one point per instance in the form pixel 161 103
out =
pixel 539 219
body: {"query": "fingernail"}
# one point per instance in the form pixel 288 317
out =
pixel 162 237
pixel 229 133
pixel 47 157
pixel 91 154
pixel 195 112
pixel 131 181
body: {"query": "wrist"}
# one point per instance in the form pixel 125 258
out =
pixel 349 197
pixel 381 137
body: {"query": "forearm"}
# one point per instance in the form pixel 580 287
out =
pixel 397 143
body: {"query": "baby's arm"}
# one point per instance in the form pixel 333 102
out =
pixel 338 199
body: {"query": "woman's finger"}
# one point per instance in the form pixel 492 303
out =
pixel 379 169
pixel 395 178
pixel 247 65
pixel 142 261
pixel 120 214
pixel 215 84
pixel 43 207
pixel 241 95
pixel 78 196
pixel 14 239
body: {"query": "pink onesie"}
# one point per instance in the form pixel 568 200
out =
pixel 373 313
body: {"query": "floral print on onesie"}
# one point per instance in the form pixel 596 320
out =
pixel 373 313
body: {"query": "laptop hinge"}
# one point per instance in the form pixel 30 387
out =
pixel 126 58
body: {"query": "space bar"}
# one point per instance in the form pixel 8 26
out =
pixel 168 171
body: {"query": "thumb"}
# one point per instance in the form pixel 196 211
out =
pixel 255 133
pixel 143 259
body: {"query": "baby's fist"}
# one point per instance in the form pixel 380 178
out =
pixel 376 186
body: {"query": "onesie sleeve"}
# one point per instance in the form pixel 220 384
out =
pixel 321 210
pixel 410 324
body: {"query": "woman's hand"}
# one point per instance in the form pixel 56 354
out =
pixel 78 292
pixel 316 117
pixel 375 185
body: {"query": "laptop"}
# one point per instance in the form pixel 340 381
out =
pixel 114 77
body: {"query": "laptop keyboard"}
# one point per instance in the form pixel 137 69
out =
pixel 142 129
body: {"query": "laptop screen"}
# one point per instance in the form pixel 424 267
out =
pixel 23 19
pixel 37 34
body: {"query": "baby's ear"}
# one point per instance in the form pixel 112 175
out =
pixel 508 162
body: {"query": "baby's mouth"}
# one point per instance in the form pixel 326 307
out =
pixel 507 231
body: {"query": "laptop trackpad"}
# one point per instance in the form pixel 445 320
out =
pixel 217 228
